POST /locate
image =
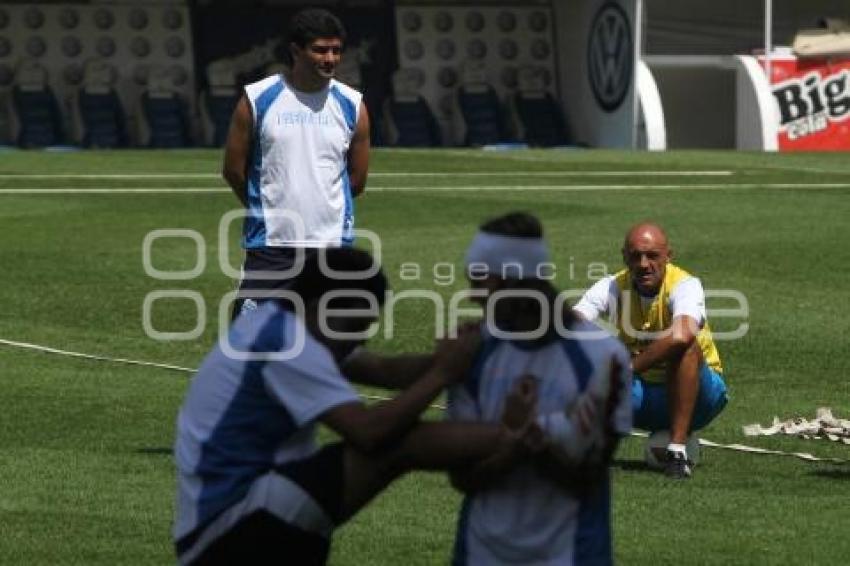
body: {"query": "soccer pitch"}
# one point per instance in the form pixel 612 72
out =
pixel 86 470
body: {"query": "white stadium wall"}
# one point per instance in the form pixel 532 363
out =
pixel 134 37
pixel 599 50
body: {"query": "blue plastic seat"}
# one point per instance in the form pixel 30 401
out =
pixel 409 121
pixel 482 112
pixel 36 118
pixel 100 115
pixel 166 121
pixel 539 119
pixel 218 101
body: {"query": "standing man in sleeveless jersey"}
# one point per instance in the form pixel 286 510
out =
pixel 658 309
pixel 296 156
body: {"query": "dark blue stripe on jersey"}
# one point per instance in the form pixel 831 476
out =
pixel 348 108
pixel 593 532
pixel 244 441
pixel 348 213
pixel 579 360
pixel 460 554
pixel 473 381
pixel 254 228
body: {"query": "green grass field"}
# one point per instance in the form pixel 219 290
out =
pixel 86 471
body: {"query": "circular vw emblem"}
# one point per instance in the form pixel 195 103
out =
pixel 609 56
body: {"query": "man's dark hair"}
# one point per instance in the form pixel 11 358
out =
pixel 315 279
pixel 515 224
pixel 314 23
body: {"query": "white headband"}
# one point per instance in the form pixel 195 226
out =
pixel 507 256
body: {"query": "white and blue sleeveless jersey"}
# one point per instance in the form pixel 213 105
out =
pixel 525 518
pixel 298 187
pixel 241 419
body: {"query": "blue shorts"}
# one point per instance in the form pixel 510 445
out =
pixel 652 411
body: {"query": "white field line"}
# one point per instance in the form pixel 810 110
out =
pixel 673 187
pixel 379 174
pixel 42 176
pixel 125 361
pixel 641 173
pixel 466 188
pixel 48 350
pixel 114 190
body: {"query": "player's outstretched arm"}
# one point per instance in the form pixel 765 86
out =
pixel 237 149
pixel 358 153
pixel 390 372
pixel 371 428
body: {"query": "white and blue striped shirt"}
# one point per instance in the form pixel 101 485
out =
pixel 525 518
pixel 298 187
pixel 243 418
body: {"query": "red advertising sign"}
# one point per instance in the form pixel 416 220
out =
pixel 813 96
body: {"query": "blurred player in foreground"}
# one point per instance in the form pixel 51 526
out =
pixel 555 507
pixel 253 486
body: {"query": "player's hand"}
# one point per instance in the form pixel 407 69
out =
pixel 600 415
pixel 453 357
pixel 521 403
pixel 615 394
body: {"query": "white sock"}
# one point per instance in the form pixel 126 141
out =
pixel 677 448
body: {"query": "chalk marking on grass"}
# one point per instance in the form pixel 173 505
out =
pixel 113 190
pixel 610 173
pixel 125 361
pixel 430 174
pixel 70 354
pixel 456 189
pixel 45 176
pixel 48 350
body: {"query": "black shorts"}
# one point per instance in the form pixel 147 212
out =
pixel 271 260
pixel 261 537
pixel 266 260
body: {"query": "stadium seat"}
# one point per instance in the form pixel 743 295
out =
pixel 218 101
pixel 408 119
pixel 35 117
pixel 99 117
pixel 480 108
pixel 5 121
pixel 536 115
pixel 349 73
pixel 165 123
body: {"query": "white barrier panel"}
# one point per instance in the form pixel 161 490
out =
pixel 758 117
pixel 652 133
pixel 599 43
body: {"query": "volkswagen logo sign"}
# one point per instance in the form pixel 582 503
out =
pixel 610 54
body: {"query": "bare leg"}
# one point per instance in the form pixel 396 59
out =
pixel 682 391
pixel 429 446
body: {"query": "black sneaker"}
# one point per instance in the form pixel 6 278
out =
pixel 677 467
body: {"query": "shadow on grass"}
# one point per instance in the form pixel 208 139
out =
pixel 837 473
pixel 155 451
pixel 632 466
